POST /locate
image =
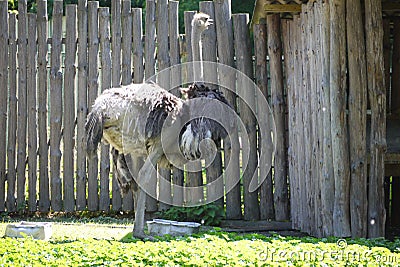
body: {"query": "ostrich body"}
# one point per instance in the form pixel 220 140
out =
pixel 132 119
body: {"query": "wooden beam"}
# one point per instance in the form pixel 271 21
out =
pixel 278 8
pixel 392 7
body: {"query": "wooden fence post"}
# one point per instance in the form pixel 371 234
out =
pixel 3 101
pixel 12 112
pixel 44 194
pixel 244 65
pixel 32 112
pixel 116 81
pixel 92 91
pixel 22 113
pixel 137 32
pixel 231 147
pixel 280 167
pixel 357 119
pixel 56 107
pixel 377 98
pixel 69 108
pixel 387 51
pixel 341 212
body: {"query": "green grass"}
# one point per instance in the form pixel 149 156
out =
pixel 102 244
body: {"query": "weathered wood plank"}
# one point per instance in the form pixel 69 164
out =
pixel 12 111
pixel 44 194
pixel 280 8
pixel 387 54
pixel 69 108
pixel 231 146
pixel 92 91
pixel 3 101
pixel 278 109
pixel 340 152
pixel 357 119
pixel 56 107
pixel 116 81
pixel 244 65
pixel 104 35
pixel 22 112
pixel 32 112
pixel 377 98
pixel 395 97
pixel 137 32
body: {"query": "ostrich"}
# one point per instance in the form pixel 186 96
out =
pixel 132 118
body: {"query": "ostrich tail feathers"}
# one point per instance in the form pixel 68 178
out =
pixel 94 131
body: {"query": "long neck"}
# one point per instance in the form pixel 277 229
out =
pixel 197 55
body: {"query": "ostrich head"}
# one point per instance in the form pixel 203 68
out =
pixel 201 21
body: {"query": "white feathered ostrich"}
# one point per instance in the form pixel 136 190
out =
pixel 131 119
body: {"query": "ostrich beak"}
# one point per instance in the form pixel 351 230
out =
pixel 210 22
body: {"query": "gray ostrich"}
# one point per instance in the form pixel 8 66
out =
pixel 133 118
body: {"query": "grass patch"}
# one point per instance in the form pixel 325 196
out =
pixel 81 243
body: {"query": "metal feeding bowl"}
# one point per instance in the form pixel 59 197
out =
pixel 160 227
pixel 37 230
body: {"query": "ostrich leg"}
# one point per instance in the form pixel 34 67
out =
pixel 144 178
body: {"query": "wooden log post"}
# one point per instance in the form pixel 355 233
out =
pixel 32 112
pixel 377 97
pixel 12 110
pixel 341 212
pixel 22 113
pixel 281 200
pixel 357 119
pixel 82 107
pixel 327 181
pixel 164 175
pixel 56 107
pixel 116 82
pixel 267 211
pixel 126 71
pixel 69 108
pixel 42 80
pixel 395 97
pixel 194 179
pixel 387 54
pixel 247 113
pixel 215 186
pixel 92 91
pixel 150 70
pixel 3 101
pixel 231 145
pixel 104 35
pixel 176 80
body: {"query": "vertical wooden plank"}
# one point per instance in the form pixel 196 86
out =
pixel 82 107
pixel 69 108
pixel 387 50
pixel 395 97
pixel 44 194
pixel 278 109
pixel 176 80
pixel 377 98
pixel 357 119
pixel 341 212
pixel 327 180
pixel 56 107
pixel 209 41
pixel 288 52
pixel 244 65
pixel 194 180
pixel 137 32
pixel 92 91
pixel 3 101
pixel 22 113
pixel 126 71
pixel 12 112
pixel 116 81
pixel 31 102
pixel 231 147
pixel 150 65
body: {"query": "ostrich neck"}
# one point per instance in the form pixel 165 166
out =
pixel 197 54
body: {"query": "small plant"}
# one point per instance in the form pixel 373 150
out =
pixel 209 214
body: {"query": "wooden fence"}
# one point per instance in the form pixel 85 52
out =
pixel 51 79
